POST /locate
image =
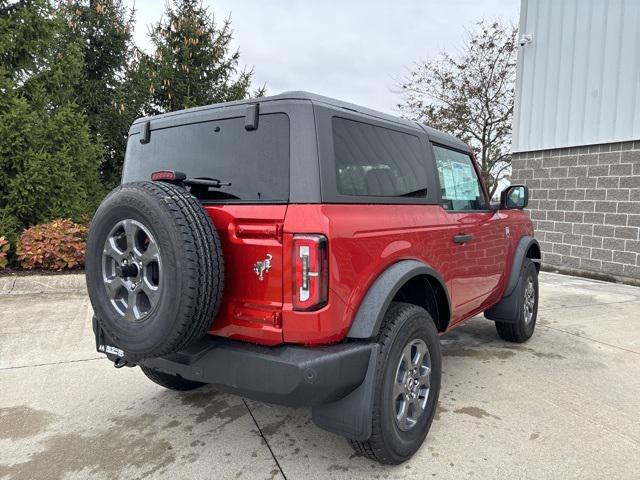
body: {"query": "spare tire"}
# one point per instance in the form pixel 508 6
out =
pixel 154 268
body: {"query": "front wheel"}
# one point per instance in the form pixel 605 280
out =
pixel 407 385
pixel 521 329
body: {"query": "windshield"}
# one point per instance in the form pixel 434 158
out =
pixel 254 162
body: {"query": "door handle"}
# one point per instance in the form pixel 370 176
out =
pixel 462 238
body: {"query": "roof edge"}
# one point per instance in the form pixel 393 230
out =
pixel 316 98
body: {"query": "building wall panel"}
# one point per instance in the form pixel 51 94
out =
pixel 579 79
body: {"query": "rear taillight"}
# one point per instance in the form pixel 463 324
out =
pixel 310 272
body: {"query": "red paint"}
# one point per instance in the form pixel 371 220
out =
pixel 251 308
pixel 363 240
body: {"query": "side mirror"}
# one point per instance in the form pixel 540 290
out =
pixel 515 197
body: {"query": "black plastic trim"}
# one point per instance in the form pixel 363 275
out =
pixel 351 416
pixel 519 255
pixel 504 194
pixel 146 133
pixel 506 310
pixel 251 117
pixel 286 375
pixel 368 319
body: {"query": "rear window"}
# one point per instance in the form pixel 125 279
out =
pixel 254 162
pixel 377 161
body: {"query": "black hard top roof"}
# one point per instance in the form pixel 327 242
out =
pixel 435 135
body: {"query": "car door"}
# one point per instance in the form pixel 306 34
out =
pixel 477 251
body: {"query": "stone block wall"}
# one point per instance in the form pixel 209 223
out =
pixel 585 206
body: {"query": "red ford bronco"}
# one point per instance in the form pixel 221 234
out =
pixel 304 251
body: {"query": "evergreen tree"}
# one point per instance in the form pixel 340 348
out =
pixel 109 92
pixel 193 63
pixel 48 163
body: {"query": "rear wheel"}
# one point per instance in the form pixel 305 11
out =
pixel 407 385
pixel 521 329
pixel 172 382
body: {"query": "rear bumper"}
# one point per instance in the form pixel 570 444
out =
pixel 286 375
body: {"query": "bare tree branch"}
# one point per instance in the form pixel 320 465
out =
pixel 470 95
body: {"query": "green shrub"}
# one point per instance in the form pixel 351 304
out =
pixel 53 246
pixel 10 226
pixel 10 229
pixel 4 248
pixel 49 164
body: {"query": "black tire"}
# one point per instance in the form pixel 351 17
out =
pixel 172 382
pixel 190 269
pixel 523 327
pixel 389 444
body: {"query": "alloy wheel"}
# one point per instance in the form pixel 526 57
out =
pixel 131 270
pixel 411 384
pixel 529 301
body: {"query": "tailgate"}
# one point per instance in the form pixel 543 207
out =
pixel 251 307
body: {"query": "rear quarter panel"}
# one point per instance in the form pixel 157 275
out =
pixel 364 240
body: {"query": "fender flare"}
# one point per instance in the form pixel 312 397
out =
pixel 506 310
pixel 368 319
pixel 519 255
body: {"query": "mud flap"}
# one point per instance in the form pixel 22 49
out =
pixel 105 345
pixel 507 310
pixel 351 416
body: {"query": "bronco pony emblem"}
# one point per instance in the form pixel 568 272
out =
pixel 263 266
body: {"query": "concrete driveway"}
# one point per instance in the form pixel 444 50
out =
pixel 564 405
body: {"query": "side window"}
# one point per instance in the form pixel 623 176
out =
pixel 459 184
pixel 377 161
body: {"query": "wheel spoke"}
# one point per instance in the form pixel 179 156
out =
pixel 113 285
pixel 130 313
pixel 151 254
pixel 152 293
pixel 398 389
pixel 417 408
pixel 425 377
pixel 130 230
pixel 419 357
pixel 401 412
pixel 111 250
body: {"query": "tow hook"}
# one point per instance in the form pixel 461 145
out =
pixel 121 362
